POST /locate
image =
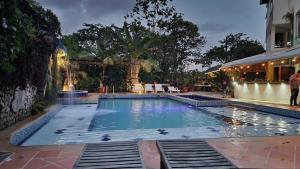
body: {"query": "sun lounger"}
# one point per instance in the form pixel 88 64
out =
pixel 191 153
pixel 172 89
pixel 110 155
pixel 137 88
pixel 148 88
pixel 158 88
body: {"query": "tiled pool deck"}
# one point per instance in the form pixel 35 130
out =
pixel 246 152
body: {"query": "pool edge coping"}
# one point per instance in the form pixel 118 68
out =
pixel 22 134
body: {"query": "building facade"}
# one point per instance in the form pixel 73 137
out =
pixel 265 77
pixel 282 24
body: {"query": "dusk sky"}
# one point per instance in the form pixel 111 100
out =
pixel 215 18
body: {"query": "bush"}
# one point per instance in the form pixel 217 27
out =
pixel 38 107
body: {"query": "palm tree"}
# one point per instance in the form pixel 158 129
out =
pixel 136 42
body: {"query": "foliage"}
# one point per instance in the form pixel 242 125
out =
pixel 38 107
pixel 233 47
pixel 166 44
pixel 11 35
pixel 73 46
pixel 217 80
pixel 289 16
pixel 153 12
pixel 189 78
pixel 180 44
pixel 28 32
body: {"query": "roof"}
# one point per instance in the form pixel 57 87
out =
pixel 212 69
pixel 246 61
pixel 264 57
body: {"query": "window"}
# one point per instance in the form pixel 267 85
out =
pixel 279 40
pixel 283 73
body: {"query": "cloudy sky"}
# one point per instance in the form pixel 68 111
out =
pixel 215 18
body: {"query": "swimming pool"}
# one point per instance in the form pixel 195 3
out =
pixel 143 119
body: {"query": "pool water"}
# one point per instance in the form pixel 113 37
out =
pixel 128 114
pixel 149 119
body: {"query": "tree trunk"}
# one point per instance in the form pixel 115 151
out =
pixel 133 72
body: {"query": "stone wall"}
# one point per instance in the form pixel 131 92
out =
pixel 15 104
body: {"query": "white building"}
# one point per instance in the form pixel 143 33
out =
pixel 264 77
pixel 283 23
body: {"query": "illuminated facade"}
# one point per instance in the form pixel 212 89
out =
pixel 265 77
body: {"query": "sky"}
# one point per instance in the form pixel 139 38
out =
pixel 215 18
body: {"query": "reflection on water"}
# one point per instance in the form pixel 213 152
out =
pixel 127 119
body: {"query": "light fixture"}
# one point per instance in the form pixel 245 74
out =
pixel 282 61
pixel 263 64
pixel 272 63
pixel 248 67
pixel 294 60
pixel 241 67
pixel 257 73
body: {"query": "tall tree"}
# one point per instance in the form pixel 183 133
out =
pixel 180 44
pixel 233 47
pixel 151 12
pixel 136 41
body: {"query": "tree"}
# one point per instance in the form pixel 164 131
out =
pixel 94 41
pixel 233 47
pixel 135 40
pixel 153 12
pixel 179 45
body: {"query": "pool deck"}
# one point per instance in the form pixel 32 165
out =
pixel 246 152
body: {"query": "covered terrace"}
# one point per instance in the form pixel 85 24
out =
pixel 264 77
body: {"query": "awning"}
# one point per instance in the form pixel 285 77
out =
pixel 247 61
pixel 212 69
pixel 291 53
pixel 264 57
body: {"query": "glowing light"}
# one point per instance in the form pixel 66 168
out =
pixel 248 67
pixel 241 67
pixel 229 69
pixel 232 78
pixel 245 73
pixel 263 64
pixel 235 68
pixel 272 63
pixel 294 60
pixel 282 61
pixel 257 73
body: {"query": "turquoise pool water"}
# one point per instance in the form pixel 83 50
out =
pixel 150 119
pixel 120 114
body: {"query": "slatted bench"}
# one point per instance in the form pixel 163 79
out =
pixel 191 154
pixel 112 155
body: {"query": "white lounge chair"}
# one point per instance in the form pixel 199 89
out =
pixel 148 88
pixel 138 88
pixel 158 88
pixel 172 89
